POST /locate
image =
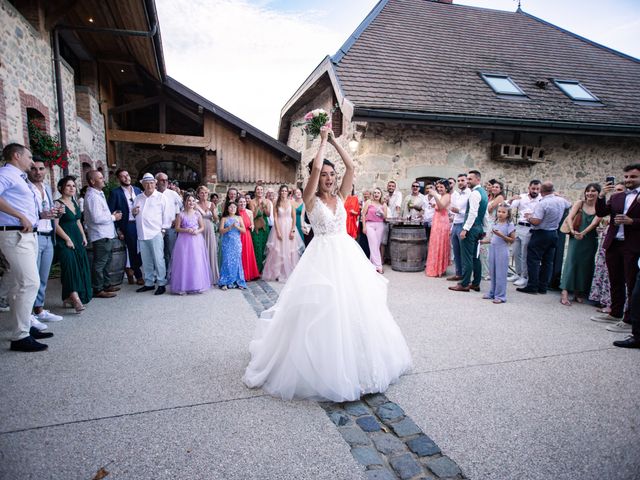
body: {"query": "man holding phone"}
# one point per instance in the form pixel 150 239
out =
pixel 621 244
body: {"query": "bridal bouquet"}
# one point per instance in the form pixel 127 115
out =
pixel 314 121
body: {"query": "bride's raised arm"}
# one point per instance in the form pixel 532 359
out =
pixel 311 187
pixel 347 180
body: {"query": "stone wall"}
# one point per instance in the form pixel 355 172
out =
pixel 391 151
pixel 27 80
pixel 136 158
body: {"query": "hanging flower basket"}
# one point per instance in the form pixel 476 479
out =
pixel 46 147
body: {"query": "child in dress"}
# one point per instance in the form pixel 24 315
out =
pixel 504 233
pixel 190 269
pixel 231 226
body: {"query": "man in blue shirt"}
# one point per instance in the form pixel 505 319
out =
pixel 19 244
pixel 545 220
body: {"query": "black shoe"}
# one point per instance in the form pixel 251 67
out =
pixel 37 334
pixel 629 342
pixel 542 292
pixel 528 290
pixel 144 289
pixel 160 290
pixel 28 344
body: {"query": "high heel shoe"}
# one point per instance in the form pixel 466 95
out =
pixel 73 303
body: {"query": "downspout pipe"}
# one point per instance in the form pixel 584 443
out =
pixel 57 67
pixel 59 94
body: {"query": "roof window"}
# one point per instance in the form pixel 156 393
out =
pixel 575 91
pixel 502 84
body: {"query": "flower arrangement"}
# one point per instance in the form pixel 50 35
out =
pixel 314 121
pixel 46 146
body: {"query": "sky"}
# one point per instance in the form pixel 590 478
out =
pixel 250 56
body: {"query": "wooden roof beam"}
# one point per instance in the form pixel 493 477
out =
pixel 137 105
pixel 159 139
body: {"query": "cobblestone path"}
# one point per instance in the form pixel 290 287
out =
pixel 381 436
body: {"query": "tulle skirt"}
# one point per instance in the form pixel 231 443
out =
pixel 331 335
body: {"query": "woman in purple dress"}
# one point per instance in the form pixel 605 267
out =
pixel 190 269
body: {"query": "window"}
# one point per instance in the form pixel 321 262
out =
pixel 502 84
pixel 575 91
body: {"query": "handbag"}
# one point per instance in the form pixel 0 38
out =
pixel 575 225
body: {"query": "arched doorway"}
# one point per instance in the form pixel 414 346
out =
pixel 183 173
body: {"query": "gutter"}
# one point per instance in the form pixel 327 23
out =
pixel 467 121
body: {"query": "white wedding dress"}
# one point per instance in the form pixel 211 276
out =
pixel 330 336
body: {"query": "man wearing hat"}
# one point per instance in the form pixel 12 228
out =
pixel 152 221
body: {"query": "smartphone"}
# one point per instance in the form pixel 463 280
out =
pixel 611 180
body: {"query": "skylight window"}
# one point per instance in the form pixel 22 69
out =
pixel 502 84
pixel 575 91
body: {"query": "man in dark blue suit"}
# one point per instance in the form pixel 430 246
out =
pixel 122 199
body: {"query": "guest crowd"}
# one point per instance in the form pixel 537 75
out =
pixel 192 240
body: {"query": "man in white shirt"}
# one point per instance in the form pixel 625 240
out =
pixel 174 206
pixel 101 232
pixel 459 200
pixel 524 204
pixel 152 221
pixel 46 241
pixel 414 204
pixel 394 210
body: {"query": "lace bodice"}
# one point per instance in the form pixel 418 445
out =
pixel 324 221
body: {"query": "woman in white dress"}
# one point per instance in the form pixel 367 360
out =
pixel 330 336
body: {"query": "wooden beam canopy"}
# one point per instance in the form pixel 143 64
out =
pixel 159 139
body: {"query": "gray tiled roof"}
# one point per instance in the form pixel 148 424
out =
pixel 423 56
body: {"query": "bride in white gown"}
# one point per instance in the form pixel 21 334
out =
pixel 330 336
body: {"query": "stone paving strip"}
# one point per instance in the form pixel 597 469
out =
pixel 382 438
pixel 387 442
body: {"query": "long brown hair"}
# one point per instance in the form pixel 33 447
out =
pixel 280 196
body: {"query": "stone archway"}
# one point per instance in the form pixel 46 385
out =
pixel 187 175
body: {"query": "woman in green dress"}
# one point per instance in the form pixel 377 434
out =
pixel 579 263
pixel 261 208
pixel 75 273
pixel 298 204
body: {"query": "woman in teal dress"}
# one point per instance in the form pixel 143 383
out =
pixel 261 208
pixel 298 204
pixel 75 273
pixel 579 263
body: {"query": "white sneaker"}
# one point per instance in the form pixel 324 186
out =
pixel 47 316
pixel 36 324
pixel 4 306
pixel 521 282
pixel 620 327
pixel 605 318
pixel 513 277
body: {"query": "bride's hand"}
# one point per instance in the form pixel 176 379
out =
pixel 324 132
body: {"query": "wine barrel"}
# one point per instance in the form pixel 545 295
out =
pixel 408 247
pixel 118 260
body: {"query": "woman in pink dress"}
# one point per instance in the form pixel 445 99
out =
pixel 439 253
pixel 249 264
pixel 284 245
pixel 373 214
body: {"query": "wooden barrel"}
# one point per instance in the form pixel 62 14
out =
pixel 408 248
pixel 118 261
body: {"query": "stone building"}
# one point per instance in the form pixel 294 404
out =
pixel 427 89
pixel 101 64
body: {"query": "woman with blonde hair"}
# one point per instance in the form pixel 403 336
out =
pixel 374 213
pixel 209 214
pixel 284 245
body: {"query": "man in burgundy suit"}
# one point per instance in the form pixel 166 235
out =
pixel 622 246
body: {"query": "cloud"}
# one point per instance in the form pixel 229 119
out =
pixel 247 58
